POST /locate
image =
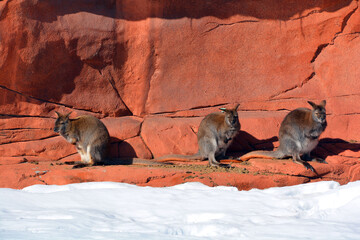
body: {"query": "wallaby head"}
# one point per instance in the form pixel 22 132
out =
pixel 231 116
pixel 318 111
pixel 62 123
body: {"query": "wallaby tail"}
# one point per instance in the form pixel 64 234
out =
pixel 148 162
pixel 262 154
pixel 179 157
pixel 131 161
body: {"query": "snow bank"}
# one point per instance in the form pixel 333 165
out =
pixel 107 210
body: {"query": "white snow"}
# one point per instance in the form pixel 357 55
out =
pixel 107 210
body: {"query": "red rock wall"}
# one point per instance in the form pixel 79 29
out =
pixel 153 69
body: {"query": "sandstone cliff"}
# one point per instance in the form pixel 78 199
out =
pixel 152 69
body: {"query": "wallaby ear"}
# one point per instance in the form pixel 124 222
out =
pixel 222 109
pixel 67 115
pixel 312 104
pixel 323 103
pixel 58 114
pixel 236 108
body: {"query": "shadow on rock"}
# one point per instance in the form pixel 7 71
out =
pixel 335 146
pixel 120 152
pixel 245 142
pixel 177 9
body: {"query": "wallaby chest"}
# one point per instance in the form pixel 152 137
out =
pixel 307 145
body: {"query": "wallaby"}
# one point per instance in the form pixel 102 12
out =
pixel 298 135
pixel 87 133
pixel 91 138
pixel 216 132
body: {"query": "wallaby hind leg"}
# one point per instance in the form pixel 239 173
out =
pixel 207 147
pixel 83 156
pixel 222 154
pixel 81 152
pixel 297 159
pixel 97 154
pixel 91 155
pixel 86 159
pixel 82 163
pixel 212 160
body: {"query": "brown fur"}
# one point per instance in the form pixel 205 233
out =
pixel 299 134
pixel 216 132
pixel 87 133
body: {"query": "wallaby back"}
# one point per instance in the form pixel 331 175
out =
pixel 87 133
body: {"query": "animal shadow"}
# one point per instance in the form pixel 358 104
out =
pixel 120 152
pixel 334 146
pixel 245 142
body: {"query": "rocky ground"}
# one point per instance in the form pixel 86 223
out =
pixel 19 172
